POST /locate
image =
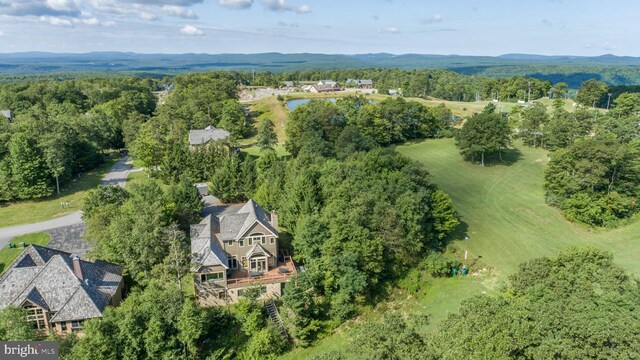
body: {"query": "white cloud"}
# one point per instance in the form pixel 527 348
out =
pixel 281 6
pixel 1 33
pixel 236 4
pixel 191 30
pixel 179 11
pixel 433 19
pixel 389 30
pixel 56 21
pixel 147 16
pixel 64 5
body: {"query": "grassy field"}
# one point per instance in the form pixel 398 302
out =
pixel 24 212
pixel 8 255
pixel 503 207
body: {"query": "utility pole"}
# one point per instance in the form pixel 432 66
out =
pixel 609 100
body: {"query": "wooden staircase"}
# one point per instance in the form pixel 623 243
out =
pixel 274 315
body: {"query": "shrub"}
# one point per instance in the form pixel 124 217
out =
pixel 439 265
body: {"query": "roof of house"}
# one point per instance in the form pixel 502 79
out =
pixel 205 246
pixel 257 249
pixel 6 113
pixel 208 235
pixel 199 137
pixel 360 82
pixel 45 277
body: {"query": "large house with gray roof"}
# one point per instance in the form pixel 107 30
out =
pixel 59 291
pixel 236 248
pixel 206 136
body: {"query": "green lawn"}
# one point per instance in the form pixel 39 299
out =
pixel 504 209
pixel 25 212
pixel 7 255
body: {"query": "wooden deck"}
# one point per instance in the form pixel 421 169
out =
pixel 281 273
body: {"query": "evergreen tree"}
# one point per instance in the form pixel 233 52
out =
pixel 267 137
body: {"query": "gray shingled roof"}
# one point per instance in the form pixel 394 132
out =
pixel 199 137
pixel 45 277
pixel 230 224
pixel 206 248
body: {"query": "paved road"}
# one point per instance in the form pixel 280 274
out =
pixel 116 176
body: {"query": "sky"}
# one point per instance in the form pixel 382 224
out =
pixel 464 27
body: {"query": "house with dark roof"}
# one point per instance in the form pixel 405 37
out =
pixel 59 291
pixel 234 249
pixel 206 136
pixel 362 84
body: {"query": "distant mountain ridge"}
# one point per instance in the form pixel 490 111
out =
pixel 616 70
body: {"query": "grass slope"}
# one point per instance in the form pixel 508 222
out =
pixel 7 256
pixel 30 211
pixel 504 209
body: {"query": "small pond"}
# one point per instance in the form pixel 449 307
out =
pixel 292 104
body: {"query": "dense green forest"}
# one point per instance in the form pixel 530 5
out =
pixel 62 129
pixel 573 70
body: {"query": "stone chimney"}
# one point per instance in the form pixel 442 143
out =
pixel 274 220
pixel 77 269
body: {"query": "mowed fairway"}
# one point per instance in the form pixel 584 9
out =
pixel 504 209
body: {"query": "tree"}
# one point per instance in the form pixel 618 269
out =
pixel 393 338
pixel 28 170
pixel 267 137
pixel 560 90
pixel 594 180
pixel 483 134
pixel 590 92
pixel 102 196
pixel 14 325
pixel 148 146
pixel 575 305
pixel 627 104
pixel 233 119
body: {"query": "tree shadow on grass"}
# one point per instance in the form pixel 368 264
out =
pixel 459 233
pixel 507 158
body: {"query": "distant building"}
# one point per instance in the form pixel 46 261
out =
pixel 237 249
pixel 59 291
pixel 325 86
pixel 209 134
pixel 7 114
pixel 362 84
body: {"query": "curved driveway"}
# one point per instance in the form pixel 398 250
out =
pixel 117 175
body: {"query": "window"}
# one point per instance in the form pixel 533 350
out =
pixel 241 242
pixel 240 293
pixel 76 325
pixel 273 240
pixel 228 242
pixel 211 277
pixel 37 316
pixel 258 238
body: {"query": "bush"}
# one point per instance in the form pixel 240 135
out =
pixel 439 265
pixel 411 283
